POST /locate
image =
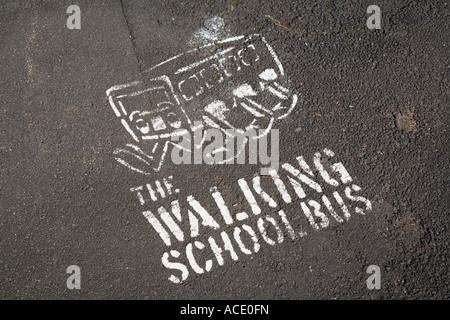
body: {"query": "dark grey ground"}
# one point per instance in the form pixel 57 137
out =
pixel 65 201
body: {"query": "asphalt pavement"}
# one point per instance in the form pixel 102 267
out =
pixel 91 118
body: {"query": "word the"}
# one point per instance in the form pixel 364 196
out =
pixel 154 191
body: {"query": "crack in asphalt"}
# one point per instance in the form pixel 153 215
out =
pixel 130 32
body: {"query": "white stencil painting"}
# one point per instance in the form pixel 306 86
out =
pixel 237 83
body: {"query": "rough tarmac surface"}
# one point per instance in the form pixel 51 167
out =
pixel 377 98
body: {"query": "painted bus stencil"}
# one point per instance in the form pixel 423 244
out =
pixel 173 97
